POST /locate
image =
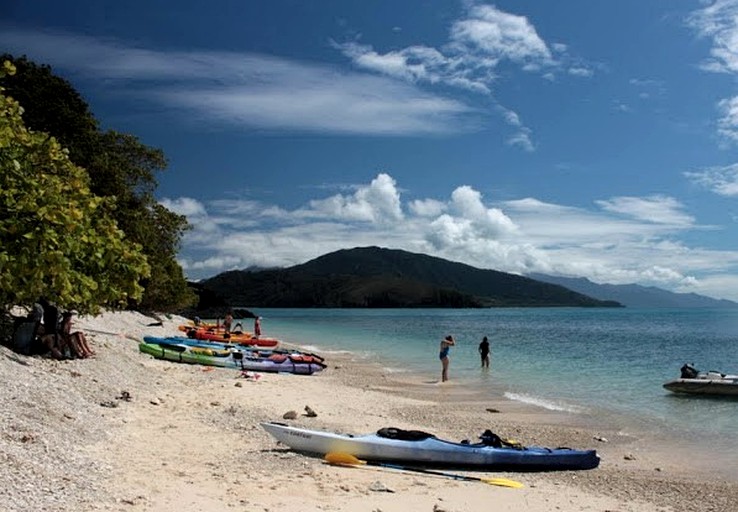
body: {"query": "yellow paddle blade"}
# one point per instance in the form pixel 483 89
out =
pixel 345 459
pixel 503 482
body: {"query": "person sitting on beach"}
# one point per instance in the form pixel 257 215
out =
pixel 52 343
pixel 227 321
pixel 75 340
pixel 48 333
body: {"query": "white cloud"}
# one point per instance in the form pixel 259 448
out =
pixel 250 90
pixel 498 35
pixel 482 40
pixel 378 203
pixel 719 22
pixel 186 206
pixel 626 240
pixel 728 123
pixel 720 180
pixel 581 71
pixel 522 139
pixel 477 44
pixel 427 207
pixel 657 209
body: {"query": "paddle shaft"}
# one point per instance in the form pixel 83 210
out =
pixel 428 471
pixel 342 458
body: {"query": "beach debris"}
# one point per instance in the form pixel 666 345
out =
pixel 629 456
pixel 438 508
pixel 109 403
pixel 492 409
pixel 600 439
pixel 125 396
pixel 250 375
pixel 290 415
pixel 309 412
pixel 238 384
pixel 378 486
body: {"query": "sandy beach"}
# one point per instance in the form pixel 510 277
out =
pixel 125 432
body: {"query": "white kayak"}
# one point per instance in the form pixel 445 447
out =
pixel 695 382
pixel 415 447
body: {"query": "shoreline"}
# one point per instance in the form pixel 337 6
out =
pixel 189 439
pixel 710 460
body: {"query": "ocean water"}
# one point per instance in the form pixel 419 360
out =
pixel 584 361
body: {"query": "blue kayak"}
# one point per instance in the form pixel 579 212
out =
pixel 420 448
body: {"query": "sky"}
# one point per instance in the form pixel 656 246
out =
pixel 577 138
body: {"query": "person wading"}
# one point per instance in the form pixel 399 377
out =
pixel 446 344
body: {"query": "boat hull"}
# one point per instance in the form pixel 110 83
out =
pixel 432 451
pixel 704 386
pixel 239 339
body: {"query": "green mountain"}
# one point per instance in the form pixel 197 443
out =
pixel 373 277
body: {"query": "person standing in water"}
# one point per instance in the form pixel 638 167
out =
pixel 446 344
pixel 484 352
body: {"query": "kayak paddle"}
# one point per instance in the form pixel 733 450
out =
pixel 346 459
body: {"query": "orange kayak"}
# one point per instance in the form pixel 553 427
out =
pixel 240 339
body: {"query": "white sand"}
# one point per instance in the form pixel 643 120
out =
pixel 189 440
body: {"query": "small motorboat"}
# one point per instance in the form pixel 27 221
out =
pixel 695 382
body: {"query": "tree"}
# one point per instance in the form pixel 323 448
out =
pixel 57 239
pixel 120 168
pixel 124 169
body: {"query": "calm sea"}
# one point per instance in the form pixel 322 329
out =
pixel 585 361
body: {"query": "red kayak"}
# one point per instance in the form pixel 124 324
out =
pixel 240 339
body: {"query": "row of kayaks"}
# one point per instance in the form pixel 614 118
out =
pixel 224 355
pixel 710 383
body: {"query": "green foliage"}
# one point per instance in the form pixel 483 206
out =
pixel 57 238
pixel 53 106
pixel 120 168
pixel 124 170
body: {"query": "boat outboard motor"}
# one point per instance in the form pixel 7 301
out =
pixel 689 371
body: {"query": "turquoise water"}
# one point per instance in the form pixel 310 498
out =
pixel 596 361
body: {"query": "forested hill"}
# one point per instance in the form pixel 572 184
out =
pixel 376 277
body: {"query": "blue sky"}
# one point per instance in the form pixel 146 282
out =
pixel 593 139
